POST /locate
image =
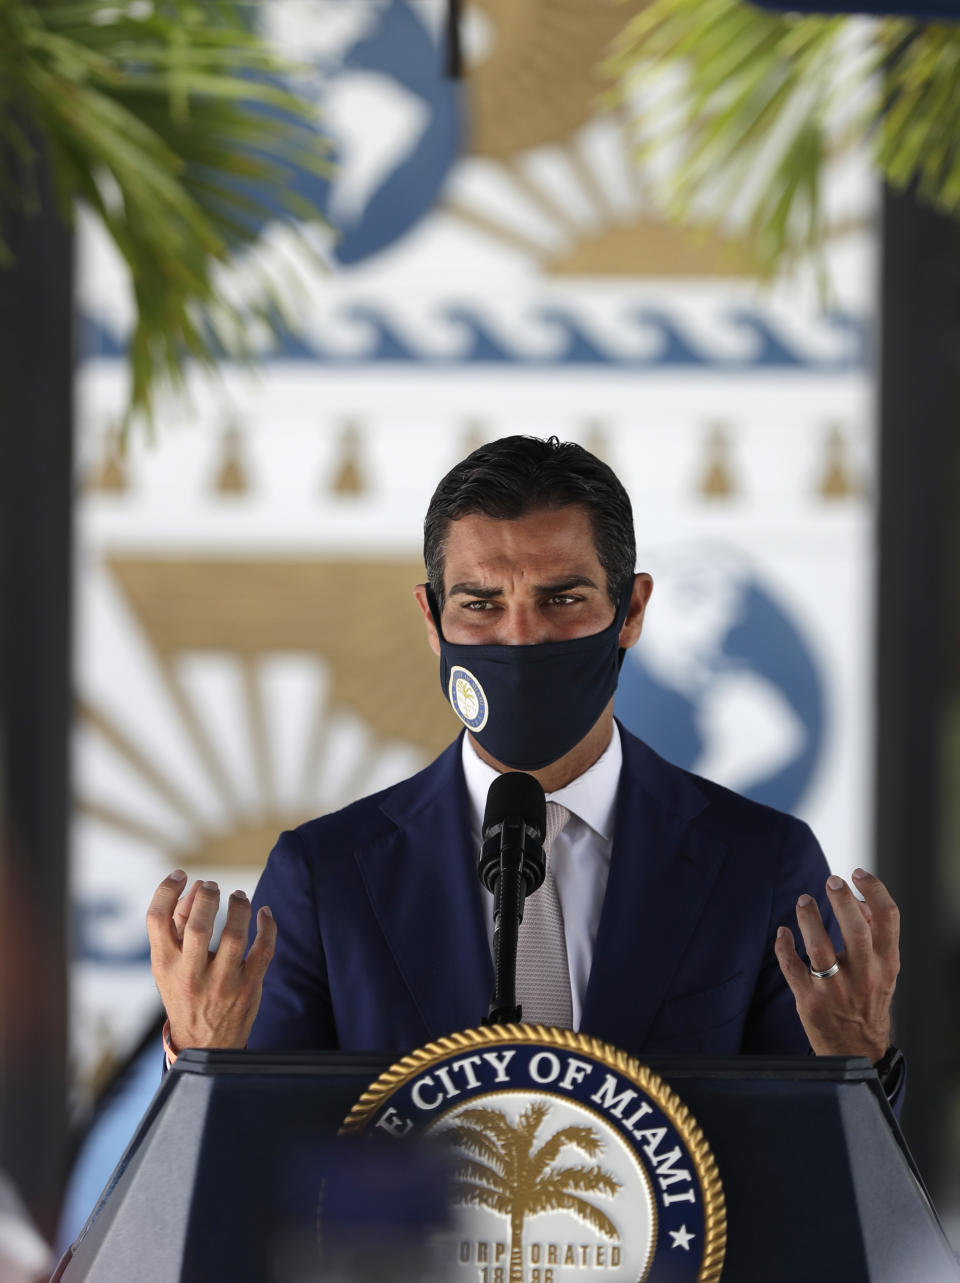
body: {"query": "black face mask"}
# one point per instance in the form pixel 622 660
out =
pixel 528 705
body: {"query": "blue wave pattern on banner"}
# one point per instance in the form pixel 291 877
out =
pixel 397 125
pixel 570 343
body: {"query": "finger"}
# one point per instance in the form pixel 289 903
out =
pixel 233 938
pixel 857 936
pixel 819 946
pixel 884 914
pixel 199 927
pixel 184 905
pixel 161 931
pixel 794 971
pixel 261 951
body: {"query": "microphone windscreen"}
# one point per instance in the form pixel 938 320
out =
pixel 516 794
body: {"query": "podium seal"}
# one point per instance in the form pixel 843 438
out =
pixel 570 1161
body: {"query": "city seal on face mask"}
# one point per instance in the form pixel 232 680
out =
pixel 468 698
pixel 568 1161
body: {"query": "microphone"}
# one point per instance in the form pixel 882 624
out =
pixel 512 866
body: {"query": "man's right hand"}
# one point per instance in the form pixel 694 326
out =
pixel 211 999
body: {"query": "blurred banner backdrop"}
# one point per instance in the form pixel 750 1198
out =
pixel 248 653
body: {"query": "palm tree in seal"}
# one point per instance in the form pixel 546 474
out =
pixel 503 1171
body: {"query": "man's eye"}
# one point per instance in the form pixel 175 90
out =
pixel 563 599
pixel 477 606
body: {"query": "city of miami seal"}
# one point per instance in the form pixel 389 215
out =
pixel 570 1161
pixel 468 698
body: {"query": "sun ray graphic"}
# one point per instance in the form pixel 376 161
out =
pixel 551 171
pixel 284 689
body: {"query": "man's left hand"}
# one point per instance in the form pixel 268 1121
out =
pixel 848 1013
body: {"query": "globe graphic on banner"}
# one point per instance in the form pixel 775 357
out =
pixel 723 683
pixel 394 117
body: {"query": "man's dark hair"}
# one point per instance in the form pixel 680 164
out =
pixel 516 475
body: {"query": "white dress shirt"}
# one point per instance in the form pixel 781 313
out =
pixel 580 857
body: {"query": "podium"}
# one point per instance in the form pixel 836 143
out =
pixel 236 1172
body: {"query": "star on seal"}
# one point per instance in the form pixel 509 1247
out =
pixel 682 1238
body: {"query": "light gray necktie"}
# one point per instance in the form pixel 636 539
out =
pixel 543 974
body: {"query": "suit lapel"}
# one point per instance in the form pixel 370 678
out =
pixel 423 886
pixel 662 870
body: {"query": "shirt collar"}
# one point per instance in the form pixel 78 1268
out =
pixel 592 796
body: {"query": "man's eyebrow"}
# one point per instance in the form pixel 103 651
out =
pixel 487 593
pixel 474 590
pixel 564 585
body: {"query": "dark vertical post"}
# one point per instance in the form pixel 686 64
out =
pixel 454 40
pixel 36 370
pixel 917 634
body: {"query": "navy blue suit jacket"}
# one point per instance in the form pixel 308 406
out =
pixel 382 943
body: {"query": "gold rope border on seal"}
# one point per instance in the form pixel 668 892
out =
pixel 714 1205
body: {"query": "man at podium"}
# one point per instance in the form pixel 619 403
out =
pixel 672 910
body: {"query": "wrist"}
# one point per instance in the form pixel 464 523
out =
pixel 889 1069
pixel 880 1049
pixel 169 1046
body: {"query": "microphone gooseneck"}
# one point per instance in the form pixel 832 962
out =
pixel 512 866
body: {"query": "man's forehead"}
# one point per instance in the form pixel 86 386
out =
pixel 545 545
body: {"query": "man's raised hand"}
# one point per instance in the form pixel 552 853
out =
pixel 211 998
pixel 847 1013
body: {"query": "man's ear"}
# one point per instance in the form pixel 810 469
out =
pixel 420 595
pixel 633 624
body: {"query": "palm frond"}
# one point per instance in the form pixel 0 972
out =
pixel 530 1121
pixel 175 124
pixel 585 1180
pixel 468 1170
pixel 583 1138
pixel 588 1213
pixel 491 1121
pixel 463 1192
pixel 475 1141
pixel 755 104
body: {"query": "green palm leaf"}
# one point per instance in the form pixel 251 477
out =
pixel 755 105
pixel 175 125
